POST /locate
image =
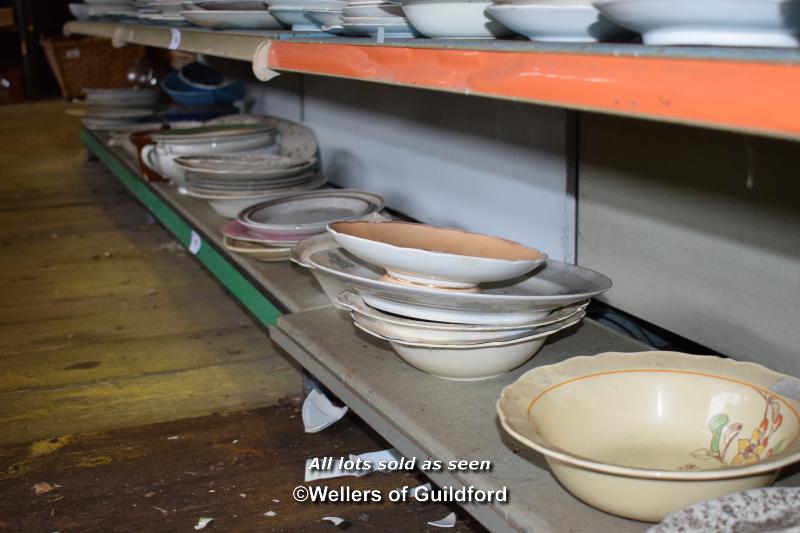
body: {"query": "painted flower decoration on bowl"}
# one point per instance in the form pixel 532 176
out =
pixel 749 451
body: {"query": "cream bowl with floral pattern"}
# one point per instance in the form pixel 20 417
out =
pixel 641 435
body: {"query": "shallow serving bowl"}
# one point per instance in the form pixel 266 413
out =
pixel 453 20
pixel 436 257
pixel 641 435
pixel 469 362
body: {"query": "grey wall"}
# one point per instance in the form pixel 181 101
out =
pixel 482 165
pixel 699 230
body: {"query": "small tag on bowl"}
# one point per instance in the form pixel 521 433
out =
pixel 788 387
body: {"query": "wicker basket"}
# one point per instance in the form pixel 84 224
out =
pixel 89 62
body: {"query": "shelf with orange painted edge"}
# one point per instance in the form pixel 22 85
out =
pixel 239 45
pixel 736 90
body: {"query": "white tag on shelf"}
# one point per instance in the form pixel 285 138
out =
pixel 195 243
pixel 175 38
pixel 380 34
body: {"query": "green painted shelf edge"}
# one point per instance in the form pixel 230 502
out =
pixel 258 304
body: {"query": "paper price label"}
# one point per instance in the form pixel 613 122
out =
pixel 175 38
pixel 788 387
pixel 195 243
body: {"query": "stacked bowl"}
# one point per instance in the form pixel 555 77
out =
pixel 297 14
pixel 109 108
pixel 103 9
pixel 267 231
pixel 232 14
pixel 577 21
pixel 373 17
pixel 232 182
pixel 456 305
pixel 453 19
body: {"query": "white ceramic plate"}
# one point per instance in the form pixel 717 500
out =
pixel 396 28
pixel 325 17
pixel 374 10
pixel 308 214
pixel 213 133
pixel 244 163
pixel 294 16
pixel 436 257
pixel 558 22
pixel 314 181
pixel 79 11
pixel 523 299
pixel 122 97
pixel 106 123
pixel 352 301
pixel 232 5
pixel 266 254
pixel 774 23
pixel 233 20
pixel 110 112
pixel 418 333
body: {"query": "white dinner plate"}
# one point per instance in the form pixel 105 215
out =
pixel 233 20
pixel 308 214
pixel 526 298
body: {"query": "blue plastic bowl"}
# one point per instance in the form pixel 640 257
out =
pixel 200 76
pixel 184 94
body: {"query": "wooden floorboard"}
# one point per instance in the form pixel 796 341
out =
pixel 235 468
pixel 116 346
pixel 105 321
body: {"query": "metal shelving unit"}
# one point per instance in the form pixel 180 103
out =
pixel 423 416
pixel 739 90
pixel 733 89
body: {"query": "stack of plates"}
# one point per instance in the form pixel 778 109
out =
pixel 297 13
pixel 103 9
pixel 205 141
pixel 371 17
pixel 270 229
pixel 453 19
pixel 234 182
pixel 456 305
pixel 576 21
pixel 235 162
pixel 162 11
pixel 109 108
pixel 232 14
